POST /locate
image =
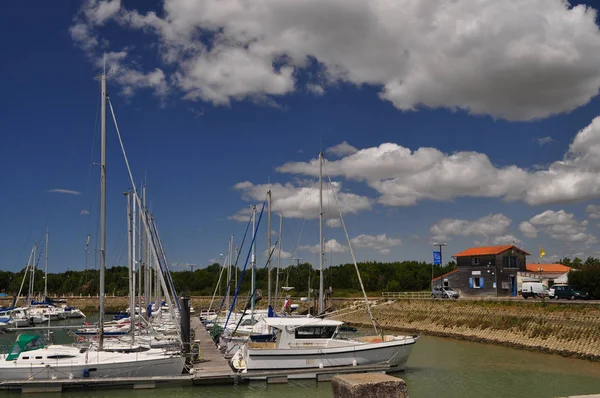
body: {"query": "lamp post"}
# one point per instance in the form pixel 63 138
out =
pixel 439 245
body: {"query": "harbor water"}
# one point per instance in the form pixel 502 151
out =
pixel 438 367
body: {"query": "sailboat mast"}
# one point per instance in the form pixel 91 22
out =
pixel 229 266
pixel 146 262
pixel 46 268
pixel 102 206
pixel 130 256
pixel 269 247
pixel 133 248
pixel 278 261
pixel 139 263
pixel 32 279
pixel 253 287
pixel 321 248
pixel 237 249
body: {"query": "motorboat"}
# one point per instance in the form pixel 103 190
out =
pixel 310 344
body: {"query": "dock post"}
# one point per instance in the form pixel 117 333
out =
pixel 368 385
pixel 185 328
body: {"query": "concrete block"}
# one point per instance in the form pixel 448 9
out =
pixel 368 385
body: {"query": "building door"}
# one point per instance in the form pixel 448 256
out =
pixel 513 286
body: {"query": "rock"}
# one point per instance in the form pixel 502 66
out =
pixel 368 385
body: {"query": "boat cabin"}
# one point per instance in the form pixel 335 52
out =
pixel 302 332
pixel 24 343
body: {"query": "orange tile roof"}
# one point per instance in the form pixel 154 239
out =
pixel 446 274
pixel 487 250
pixel 547 268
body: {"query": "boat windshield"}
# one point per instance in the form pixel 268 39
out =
pixel 25 342
pixel 315 332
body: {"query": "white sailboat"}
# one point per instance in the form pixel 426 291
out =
pixel 310 344
pixel 31 358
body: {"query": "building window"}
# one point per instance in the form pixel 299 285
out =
pixel 510 262
pixel 476 282
pixel 475 260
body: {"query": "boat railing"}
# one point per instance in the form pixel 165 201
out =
pixel 405 295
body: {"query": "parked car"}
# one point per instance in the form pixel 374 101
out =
pixel 568 292
pixel 444 292
pixel 534 289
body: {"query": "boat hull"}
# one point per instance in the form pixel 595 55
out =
pixel 393 354
pixel 94 365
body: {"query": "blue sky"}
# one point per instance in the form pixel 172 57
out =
pixel 478 129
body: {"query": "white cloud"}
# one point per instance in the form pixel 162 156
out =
pixel 404 177
pixel 334 223
pixel 574 178
pixel 341 149
pixel 284 255
pixel 490 225
pixel 528 229
pixel 298 201
pixel 65 191
pixel 593 211
pixel 380 243
pixel 84 37
pixel 98 12
pixel 315 89
pixel 513 60
pixel 131 79
pixel 563 227
pixel 84 212
pixel 331 246
pixel 506 240
pixel 544 140
pixel 126 73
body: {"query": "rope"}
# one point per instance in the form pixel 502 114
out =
pixel 362 286
pixel 237 290
pixel 254 292
pixel 151 232
pixel 218 283
pixel 236 265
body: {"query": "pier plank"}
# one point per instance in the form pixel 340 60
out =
pixel 213 367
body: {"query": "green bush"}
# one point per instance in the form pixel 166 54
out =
pixel 587 278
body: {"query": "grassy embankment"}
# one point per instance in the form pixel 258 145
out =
pixel 565 329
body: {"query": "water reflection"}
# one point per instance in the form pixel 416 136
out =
pixel 438 367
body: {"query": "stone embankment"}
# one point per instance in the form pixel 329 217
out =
pixel 569 330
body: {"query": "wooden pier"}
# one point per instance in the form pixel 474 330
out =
pixel 212 368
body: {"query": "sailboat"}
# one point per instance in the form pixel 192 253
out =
pixel 31 358
pixel 307 345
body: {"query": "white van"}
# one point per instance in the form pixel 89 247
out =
pixel 534 289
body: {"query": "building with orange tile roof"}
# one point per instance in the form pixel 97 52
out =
pixel 548 274
pixel 486 271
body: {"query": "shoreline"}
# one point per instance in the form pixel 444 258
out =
pixel 562 329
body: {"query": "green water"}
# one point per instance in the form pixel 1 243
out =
pixel 437 367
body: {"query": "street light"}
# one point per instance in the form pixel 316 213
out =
pixel 440 245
